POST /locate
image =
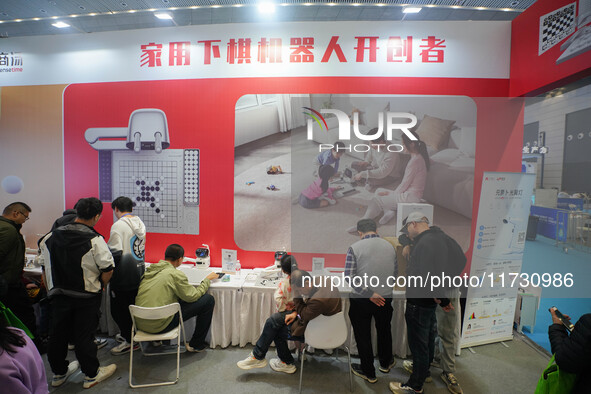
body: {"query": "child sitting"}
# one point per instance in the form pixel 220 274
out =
pixel 313 197
pixel 329 157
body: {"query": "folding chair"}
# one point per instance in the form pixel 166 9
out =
pixel 156 313
pixel 326 332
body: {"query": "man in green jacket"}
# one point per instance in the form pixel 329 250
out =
pixel 163 284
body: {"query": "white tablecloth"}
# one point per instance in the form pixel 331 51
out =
pixel 240 314
pixel 241 309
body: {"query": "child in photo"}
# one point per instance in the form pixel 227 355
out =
pixel 313 196
pixel 330 157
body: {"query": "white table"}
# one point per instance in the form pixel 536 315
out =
pixel 242 309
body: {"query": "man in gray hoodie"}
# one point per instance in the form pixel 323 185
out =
pixel 127 243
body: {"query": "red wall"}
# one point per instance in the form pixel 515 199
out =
pixel 532 74
pixel 200 115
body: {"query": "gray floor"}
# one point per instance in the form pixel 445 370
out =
pixel 493 368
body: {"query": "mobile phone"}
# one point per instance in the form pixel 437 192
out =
pixel 221 275
pixel 563 319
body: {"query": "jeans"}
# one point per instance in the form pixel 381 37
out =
pixel 421 326
pixel 203 310
pixel 360 313
pixel 275 330
pixel 120 302
pixel 74 319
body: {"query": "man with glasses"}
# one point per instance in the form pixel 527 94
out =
pixel 12 262
pixel 428 256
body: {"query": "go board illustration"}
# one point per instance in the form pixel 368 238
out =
pixel 136 162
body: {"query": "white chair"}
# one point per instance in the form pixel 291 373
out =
pixel 156 313
pixel 327 332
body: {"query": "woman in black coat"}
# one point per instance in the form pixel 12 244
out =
pixel 573 353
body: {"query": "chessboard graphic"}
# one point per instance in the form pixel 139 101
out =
pixel 164 187
pixel 556 26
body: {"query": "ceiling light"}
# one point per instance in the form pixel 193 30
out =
pixel 481 8
pixel 267 8
pixel 18 20
pixel 411 10
pixel 36 19
pixel 216 6
pixel 132 11
pixel 431 5
pixel 332 4
pixel 92 14
pixel 60 25
pixel 73 16
pixel 163 15
pixel 237 5
pixel 507 9
pixel 307 4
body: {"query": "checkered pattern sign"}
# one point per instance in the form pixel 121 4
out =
pixel 556 26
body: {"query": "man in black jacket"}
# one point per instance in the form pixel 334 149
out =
pixel 573 353
pixel 425 260
pixel 77 264
pixel 12 262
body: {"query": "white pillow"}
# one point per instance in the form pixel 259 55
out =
pixel 455 139
pixel 463 162
pixel 468 141
pixel 445 156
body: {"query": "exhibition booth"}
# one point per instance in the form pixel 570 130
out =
pixel 212 131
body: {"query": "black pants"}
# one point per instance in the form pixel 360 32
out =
pixel 421 326
pixel 120 302
pixel 202 309
pixel 360 313
pixel 73 319
pixel 18 301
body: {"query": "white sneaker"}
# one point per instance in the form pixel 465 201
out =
pixel 58 380
pixel 251 362
pixel 123 348
pixel 407 366
pixel 388 215
pixel 103 374
pixel 279 366
pixel 71 346
pixel 119 338
pixel 352 230
pixel 401 388
pixel 100 342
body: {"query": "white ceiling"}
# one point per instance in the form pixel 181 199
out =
pixel 35 17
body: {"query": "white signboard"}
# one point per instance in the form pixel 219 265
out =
pixel 505 200
pixel 298 49
pixel 229 258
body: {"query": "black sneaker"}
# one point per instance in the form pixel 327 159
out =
pixel 388 367
pixel 356 369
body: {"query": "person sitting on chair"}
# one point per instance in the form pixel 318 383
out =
pixel 319 301
pixel 163 284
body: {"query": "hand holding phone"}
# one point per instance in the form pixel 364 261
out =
pixel 564 319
